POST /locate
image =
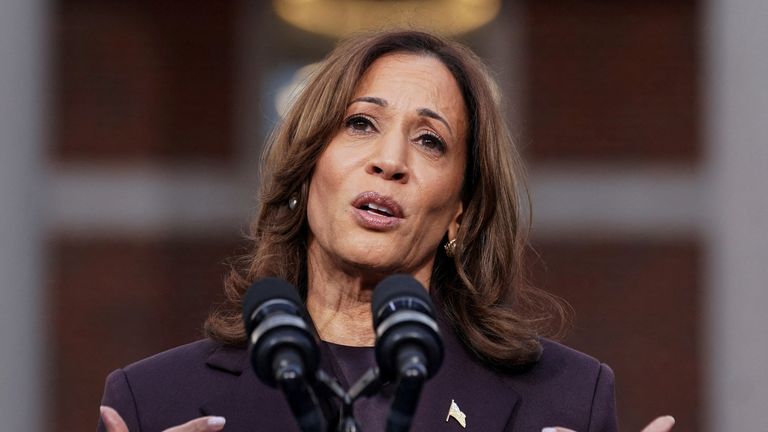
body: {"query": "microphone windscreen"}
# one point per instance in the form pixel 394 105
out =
pixel 266 289
pixel 398 285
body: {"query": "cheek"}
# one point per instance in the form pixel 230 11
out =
pixel 446 200
pixel 324 189
pixel 445 191
pixel 318 199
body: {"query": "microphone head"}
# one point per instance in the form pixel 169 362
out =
pixel 274 318
pixel 398 286
pixel 403 319
pixel 264 290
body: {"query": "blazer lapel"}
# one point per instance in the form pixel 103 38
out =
pixel 239 396
pixel 483 396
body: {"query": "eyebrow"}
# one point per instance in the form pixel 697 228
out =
pixel 425 112
pixel 370 99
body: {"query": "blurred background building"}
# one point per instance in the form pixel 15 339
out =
pixel 130 139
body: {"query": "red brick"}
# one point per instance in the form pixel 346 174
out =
pixel 612 80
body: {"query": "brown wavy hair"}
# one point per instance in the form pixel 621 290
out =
pixel 483 290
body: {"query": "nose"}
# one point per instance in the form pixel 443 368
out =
pixel 390 159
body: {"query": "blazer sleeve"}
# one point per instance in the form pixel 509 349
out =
pixel 603 413
pixel 118 395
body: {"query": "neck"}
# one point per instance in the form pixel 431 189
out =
pixel 339 300
pixel 341 308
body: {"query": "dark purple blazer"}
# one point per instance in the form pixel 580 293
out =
pixel 565 388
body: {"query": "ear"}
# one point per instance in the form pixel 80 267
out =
pixel 453 227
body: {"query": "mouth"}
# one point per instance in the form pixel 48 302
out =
pixel 377 212
pixel 377 204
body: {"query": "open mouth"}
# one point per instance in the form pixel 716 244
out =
pixel 380 210
pixel 378 205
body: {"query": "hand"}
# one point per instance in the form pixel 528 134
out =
pixel 661 424
pixel 115 423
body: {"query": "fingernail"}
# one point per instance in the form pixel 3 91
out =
pixel 106 414
pixel 672 419
pixel 549 429
pixel 216 421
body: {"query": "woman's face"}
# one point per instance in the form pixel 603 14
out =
pixel 388 186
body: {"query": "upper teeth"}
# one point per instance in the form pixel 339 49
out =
pixel 381 209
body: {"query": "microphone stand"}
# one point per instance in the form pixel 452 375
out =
pixel 301 399
pixel 367 385
pixel 413 374
pixel 411 377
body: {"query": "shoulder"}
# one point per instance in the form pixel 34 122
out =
pixel 559 359
pixel 577 388
pixel 562 368
pixel 184 357
pixel 183 361
pixel 189 367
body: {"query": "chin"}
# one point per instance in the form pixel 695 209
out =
pixel 384 262
pixel 370 259
pixel 372 263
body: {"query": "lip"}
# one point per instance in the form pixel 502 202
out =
pixel 373 220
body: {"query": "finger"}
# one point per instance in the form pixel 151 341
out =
pixel 556 429
pixel 202 424
pixel 661 424
pixel 112 420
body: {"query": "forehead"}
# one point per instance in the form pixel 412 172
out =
pixel 407 80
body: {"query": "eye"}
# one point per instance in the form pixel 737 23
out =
pixel 432 142
pixel 359 123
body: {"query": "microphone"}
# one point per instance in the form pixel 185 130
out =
pixel 283 350
pixel 409 348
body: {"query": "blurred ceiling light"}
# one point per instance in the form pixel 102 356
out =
pixel 341 18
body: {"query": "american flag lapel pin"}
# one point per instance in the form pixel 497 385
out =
pixel 455 412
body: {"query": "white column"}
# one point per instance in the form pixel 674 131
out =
pixel 23 43
pixel 736 129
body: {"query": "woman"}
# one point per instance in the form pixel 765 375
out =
pixel 394 159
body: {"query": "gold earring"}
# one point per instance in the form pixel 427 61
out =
pixel 450 247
